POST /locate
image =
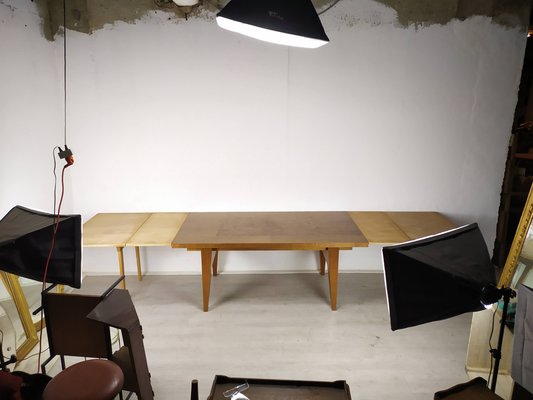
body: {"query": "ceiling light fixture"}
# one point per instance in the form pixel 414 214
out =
pixel 186 3
pixel 287 22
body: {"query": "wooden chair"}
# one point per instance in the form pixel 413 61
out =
pixel 71 333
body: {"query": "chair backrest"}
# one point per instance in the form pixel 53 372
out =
pixel 70 332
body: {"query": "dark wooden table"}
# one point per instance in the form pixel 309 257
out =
pixel 325 231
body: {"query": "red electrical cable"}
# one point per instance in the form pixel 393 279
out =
pixel 56 226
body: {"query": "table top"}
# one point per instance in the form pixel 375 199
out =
pixel 112 229
pixel 378 227
pixel 382 227
pixel 286 230
pixel 417 224
pixel 158 230
pixel 269 231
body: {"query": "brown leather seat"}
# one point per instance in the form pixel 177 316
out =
pixel 87 380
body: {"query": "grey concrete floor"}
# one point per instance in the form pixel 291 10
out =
pixel 281 326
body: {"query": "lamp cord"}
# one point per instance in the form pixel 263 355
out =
pixel 58 213
pixel 55 177
pixel 490 345
pixel 65 72
pixel 49 258
pixel 329 7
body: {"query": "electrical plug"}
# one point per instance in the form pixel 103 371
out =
pixel 67 155
pixel 64 153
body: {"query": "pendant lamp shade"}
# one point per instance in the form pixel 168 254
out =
pixel 287 22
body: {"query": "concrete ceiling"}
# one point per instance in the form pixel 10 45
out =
pixel 90 15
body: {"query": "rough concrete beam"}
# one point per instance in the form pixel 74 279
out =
pixel 89 15
pixel 510 13
pixel 52 11
pixel 423 12
pixel 505 12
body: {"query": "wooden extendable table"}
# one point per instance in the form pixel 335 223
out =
pixel 208 232
pixel 121 230
pixel 326 232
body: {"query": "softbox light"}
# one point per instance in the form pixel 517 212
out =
pixel 436 277
pixel 286 22
pixel 25 241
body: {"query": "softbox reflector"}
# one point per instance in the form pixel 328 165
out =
pixel 25 241
pixel 436 277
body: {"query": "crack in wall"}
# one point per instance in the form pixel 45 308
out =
pixel 9 6
pixel 88 16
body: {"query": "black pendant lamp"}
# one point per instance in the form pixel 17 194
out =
pixel 287 22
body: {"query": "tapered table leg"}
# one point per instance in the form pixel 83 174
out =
pixel 138 258
pixel 322 263
pixel 333 274
pixel 215 264
pixel 206 276
pixel 120 255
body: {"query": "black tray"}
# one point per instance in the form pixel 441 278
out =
pixel 276 389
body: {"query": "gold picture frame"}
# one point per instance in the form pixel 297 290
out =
pixel 12 285
pixel 515 252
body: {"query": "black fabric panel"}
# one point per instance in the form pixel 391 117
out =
pixel 26 239
pixel 436 278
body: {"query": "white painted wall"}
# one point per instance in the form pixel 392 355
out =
pixel 30 108
pixel 169 115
